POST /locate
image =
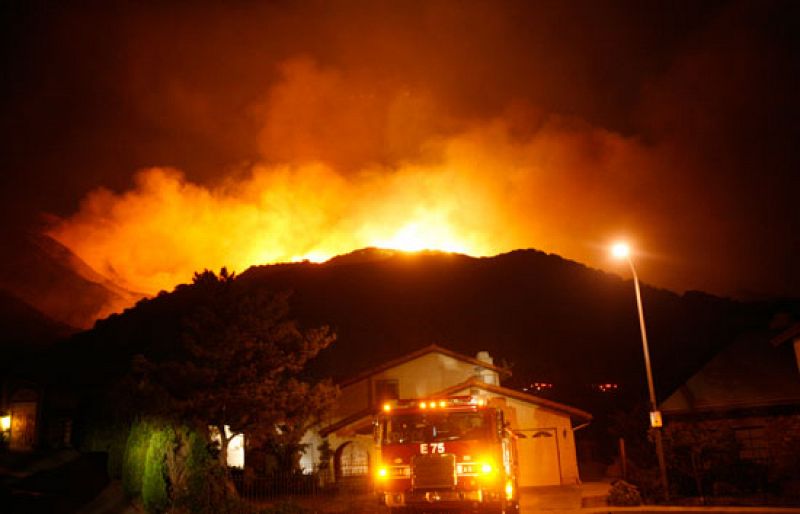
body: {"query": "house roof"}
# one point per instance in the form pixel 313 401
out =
pixel 749 373
pixel 347 421
pixel 419 353
pixel 787 335
pixel 473 383
pixel 358 418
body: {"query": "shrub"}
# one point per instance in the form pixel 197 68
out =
pixel 622 493
pixel 155 493
pixel 199 483
pixel 108 438
pixel 133 458
pixel 173 468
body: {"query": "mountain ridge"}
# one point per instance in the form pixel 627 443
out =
pixel 46 275
pixel 555 320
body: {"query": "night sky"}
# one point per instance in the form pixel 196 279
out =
pixel 154 140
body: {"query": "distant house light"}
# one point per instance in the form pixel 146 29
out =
pixel 537 387
pixel 606 387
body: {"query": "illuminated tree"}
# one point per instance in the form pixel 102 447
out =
pixel 237 360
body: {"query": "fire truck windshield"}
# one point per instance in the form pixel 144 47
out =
pixel 435 426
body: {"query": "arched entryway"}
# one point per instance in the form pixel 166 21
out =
pixel 351 465
pixel 351 460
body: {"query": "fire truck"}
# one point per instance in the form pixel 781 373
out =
pixel 453 453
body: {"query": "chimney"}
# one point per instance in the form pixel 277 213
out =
pixel 486 375
pixel 484 356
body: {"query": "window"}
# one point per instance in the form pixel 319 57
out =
pixel 386 390
pixel 753 444
pixel 436 427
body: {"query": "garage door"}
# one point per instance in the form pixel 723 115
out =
pixel 538 458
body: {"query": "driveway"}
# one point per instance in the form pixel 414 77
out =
pixel 562 499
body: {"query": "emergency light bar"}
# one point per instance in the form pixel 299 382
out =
pixel 432 404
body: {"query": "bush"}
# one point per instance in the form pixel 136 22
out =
pixel 133 458
pixel 155 493
pixel 198 482
pixel 116 452
pixel 173 468
pixel 111 439
pixel 623 494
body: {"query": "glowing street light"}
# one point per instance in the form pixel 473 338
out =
pixel 623 251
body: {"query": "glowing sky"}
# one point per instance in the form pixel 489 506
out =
pixel 160 140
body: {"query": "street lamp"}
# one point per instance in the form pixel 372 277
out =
pixel 623 251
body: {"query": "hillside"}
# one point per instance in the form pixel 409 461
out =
pixel 24 334
pixel 21 323
pixel 550 319
pixel 49 277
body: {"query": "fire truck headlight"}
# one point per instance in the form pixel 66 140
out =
pixel 509 490
pixel 383 472
pixel 486 468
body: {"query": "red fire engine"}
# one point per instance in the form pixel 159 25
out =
pixel 446 453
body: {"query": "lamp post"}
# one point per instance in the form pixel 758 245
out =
pixel 622 251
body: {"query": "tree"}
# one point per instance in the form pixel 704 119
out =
pixel 237 361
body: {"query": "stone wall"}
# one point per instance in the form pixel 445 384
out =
pixel 769 443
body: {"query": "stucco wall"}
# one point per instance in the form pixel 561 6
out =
pixel 352 399
pixel 528 419
pixel 427 374
pixel 540 464
pixel 418 378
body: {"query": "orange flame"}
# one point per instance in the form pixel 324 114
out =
pixel 156 235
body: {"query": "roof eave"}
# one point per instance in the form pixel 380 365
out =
pixel 519 395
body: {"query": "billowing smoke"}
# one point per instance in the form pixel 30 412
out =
pixel 344 170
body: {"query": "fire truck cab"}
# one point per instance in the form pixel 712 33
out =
pixel 453 453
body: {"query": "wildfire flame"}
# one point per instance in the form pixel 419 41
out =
pixel 156 235
pixel 417 236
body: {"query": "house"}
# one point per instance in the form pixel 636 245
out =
pixel 546 445
pixel 35 415
pixel 748 398
pixel 20 407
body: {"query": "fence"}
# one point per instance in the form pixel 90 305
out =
pixel 277 485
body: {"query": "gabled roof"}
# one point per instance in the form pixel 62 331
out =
pixel 419 353
pixel 475 383
pixel 347 421
pixel 750 373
